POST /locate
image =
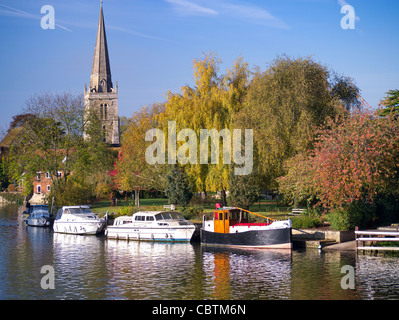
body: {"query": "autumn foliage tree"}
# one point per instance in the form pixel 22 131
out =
pixel 356 157
pixel 131 170
pixel 354 160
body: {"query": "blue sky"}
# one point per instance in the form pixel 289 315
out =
pixel 152 44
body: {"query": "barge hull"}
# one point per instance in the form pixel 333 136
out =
pixel 262 239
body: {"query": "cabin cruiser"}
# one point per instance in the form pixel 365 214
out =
pixel 152 226
pixel 230 226
pixel 78 220
pixel 38 216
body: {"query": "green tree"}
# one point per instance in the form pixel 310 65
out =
pixel 244 190
pixel 284 105
pixel 52 141
pixel 391 103
pixel 177 188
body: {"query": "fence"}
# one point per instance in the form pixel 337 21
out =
pixel 371 240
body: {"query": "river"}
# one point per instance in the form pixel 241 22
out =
pixel 92 267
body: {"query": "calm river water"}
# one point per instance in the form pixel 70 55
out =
pixel 90 267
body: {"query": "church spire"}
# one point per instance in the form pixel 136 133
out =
pixel 100 80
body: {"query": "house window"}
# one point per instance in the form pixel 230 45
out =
pixel 59 174
pixel 48 188
pixel 39 174
pixel 47 175
pixel 39 189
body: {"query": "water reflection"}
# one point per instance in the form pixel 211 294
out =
pixel 369 272
pixel 90 267
pixel 147 270
pixel 317 275
pixel 248 274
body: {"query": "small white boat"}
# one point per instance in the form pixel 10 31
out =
pixel 168 226
pixel 78 220
pixel 38 216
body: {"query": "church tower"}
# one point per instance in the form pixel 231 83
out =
pixel 102 96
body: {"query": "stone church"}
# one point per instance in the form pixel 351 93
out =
pixel 102 96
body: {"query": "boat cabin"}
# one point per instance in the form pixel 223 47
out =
pixel 227 217
pixel 73 210
pixel 150 216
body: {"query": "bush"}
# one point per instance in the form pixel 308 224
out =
pixel 125 211
pixel 71 193
pixel 359 213
pixel 194 212
pixel 387 208
pixel 310 218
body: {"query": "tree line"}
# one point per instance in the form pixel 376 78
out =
pixel 314 142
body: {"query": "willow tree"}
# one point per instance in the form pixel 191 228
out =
pixel 284 105
pixel 210 104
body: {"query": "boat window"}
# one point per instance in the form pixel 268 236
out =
pixel 165 215
pixel 74 210
pixel 149 218
pixel 78 210
pixel 124 222
pixel 234 215
pixel 40 213
pixel 176 215
pixel 158 216
pixel 39 208
pixel 86 210
pixel 139 218
pixel 226 215
pixel 59 214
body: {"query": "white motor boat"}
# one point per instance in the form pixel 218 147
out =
pixel 78 220
pixel 162 226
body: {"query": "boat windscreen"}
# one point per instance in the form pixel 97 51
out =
pixel 40 213
pixel 39 208
pixel 168 216
pixel 176 215
pixel 80 210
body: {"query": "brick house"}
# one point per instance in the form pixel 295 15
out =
pixel 43 182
